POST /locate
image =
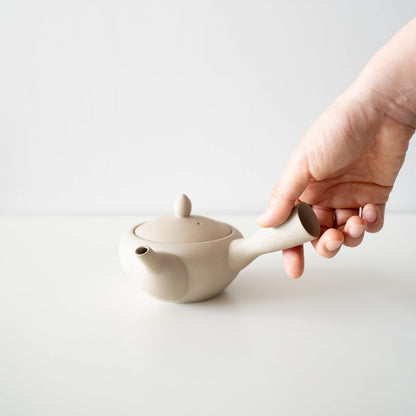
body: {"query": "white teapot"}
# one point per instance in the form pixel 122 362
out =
pixel 188 258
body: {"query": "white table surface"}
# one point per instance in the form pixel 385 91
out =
pixel 79 338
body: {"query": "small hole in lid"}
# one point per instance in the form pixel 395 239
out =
pixel 198 223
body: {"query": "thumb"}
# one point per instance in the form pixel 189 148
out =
pixel 292 183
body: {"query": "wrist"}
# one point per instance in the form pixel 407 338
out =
pixel 388 82
pixel 394 101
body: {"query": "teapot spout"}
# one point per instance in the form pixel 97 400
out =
pixel 165 275
pixel 301 226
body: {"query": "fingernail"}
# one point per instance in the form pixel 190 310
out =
pixel 370 215
pixel 356 231
pixel 333 245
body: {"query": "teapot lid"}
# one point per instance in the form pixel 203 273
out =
pixel 182 227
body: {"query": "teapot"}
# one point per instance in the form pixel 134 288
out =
pixel 189 258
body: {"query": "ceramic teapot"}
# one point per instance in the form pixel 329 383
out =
pixel 189 258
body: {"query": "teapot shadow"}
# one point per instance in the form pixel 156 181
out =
pixel 270 287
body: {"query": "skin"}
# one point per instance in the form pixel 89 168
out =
pixel 346 164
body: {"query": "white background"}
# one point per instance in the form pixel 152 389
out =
pixel 79 339
pixel 118 106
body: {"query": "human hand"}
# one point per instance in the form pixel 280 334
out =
pixel 347 162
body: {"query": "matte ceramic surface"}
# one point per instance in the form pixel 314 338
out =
pixel 189 258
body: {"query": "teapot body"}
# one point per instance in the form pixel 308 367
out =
pixel 206 264
pixel 188 258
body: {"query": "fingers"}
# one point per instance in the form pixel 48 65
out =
pixel 292 183
pixel 354 231
pixel 278 210
pixel 329 243
pixel 325 217
pixel 293 261
pixel 338 227
pixel 351 224
pixel 341 216
pixel 349 228
pixel 374 217
pixel 293 258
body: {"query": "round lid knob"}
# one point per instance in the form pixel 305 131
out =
pixel 183 206
pixel 182 227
